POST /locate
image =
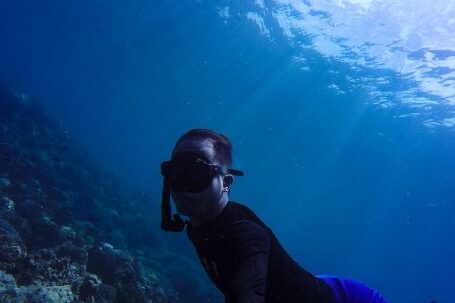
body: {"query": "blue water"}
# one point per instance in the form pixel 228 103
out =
pixel 341 115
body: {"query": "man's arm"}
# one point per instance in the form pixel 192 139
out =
pixel 249 246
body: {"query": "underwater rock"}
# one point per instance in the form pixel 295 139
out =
pixel 74 253
pixel 55 205
pixel 29 209
pixel 67 232
pixel 48 294
pixel 11 246
pixel 89 287
pixel 6 281
pixel 112 265
pixel 44 267
pixel 4 181
pixel 20 225
pixel 119 270
pixel 47 233
pixel 106 294
pixel 6 205
pixel 10 293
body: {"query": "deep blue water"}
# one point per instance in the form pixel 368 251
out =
pixel 349 155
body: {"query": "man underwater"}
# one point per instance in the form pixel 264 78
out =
pixel 239 252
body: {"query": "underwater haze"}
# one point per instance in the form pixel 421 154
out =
pixel 341 114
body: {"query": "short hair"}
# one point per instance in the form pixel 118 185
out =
pixel 221 143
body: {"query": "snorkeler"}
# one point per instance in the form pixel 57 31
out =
pixel 239 252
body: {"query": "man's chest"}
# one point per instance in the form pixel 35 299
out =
pixel 214 255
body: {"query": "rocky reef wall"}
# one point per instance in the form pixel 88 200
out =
pixel 69 231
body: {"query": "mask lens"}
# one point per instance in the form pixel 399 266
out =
pixel 187 172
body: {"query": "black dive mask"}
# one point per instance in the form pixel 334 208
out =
pixel 189 172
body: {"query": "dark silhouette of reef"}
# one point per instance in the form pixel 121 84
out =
pixel 68 231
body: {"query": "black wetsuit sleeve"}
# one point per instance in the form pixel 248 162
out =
pixel 249 246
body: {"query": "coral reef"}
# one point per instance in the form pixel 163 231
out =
pixel 58 214
pixel 10 293
pixel 12 248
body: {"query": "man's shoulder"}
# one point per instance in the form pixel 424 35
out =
pixel 236 212
pixel 244 226
pixel 241 209
pixel 243 220
pixel 235 218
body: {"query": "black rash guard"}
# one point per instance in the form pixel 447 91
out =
pixel 246 262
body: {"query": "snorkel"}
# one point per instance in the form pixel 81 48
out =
pixel 168 223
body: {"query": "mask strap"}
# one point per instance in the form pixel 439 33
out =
pixel 167 223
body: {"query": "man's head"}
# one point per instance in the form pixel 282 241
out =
pixel 213 149
pixel 219 144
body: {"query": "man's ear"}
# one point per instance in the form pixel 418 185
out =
pixel 228 180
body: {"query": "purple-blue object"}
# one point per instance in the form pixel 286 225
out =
pixel 351 291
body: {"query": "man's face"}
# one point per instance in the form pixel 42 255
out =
pixel 194 204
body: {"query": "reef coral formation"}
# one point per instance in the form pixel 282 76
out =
pixel 61 236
